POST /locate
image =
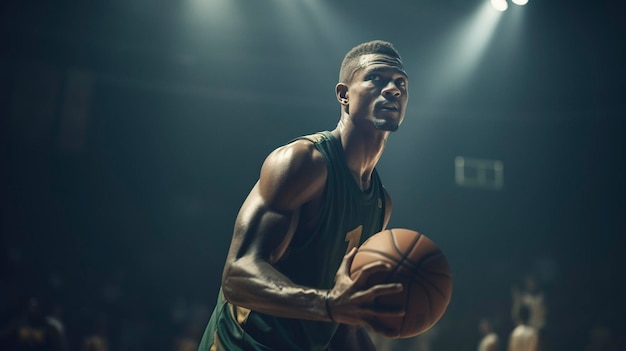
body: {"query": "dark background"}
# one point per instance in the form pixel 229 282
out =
pixel 131 132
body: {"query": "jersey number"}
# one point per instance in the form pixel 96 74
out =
pixel 353 237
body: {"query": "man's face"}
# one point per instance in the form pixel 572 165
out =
pixel 378 92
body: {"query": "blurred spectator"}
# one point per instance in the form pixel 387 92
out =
pixel 98 338
pixel 33 329
pixel 533 297
pixel 489 340
pixel 189 340
pixel 524 337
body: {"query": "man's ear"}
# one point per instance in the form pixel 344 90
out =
pixel 341 91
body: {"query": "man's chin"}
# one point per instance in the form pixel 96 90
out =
pixel 386 125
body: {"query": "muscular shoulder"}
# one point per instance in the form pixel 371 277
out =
pixel 292 175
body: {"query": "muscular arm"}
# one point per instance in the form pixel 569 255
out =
pixel 291 177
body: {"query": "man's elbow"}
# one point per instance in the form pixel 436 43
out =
pixel 232 278
pixel 227 286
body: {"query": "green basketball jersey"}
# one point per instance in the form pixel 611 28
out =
pixel 348 217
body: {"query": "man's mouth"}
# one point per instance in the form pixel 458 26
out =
pixel 388 107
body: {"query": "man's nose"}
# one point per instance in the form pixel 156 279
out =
pixel 391 90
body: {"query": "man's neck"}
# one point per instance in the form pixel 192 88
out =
pixel 362 151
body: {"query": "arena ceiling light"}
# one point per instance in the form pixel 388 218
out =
pixel 500 5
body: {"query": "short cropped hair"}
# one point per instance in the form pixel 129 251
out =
pixel 350 63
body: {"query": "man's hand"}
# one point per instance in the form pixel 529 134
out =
pixel 353 301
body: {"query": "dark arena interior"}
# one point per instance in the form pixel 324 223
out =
pixel 131 132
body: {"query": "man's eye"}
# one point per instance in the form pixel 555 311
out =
pixel 373 77
pixel 401 82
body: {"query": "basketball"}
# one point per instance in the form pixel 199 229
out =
pixel 416 262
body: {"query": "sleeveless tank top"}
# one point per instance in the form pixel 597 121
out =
pixel 347 218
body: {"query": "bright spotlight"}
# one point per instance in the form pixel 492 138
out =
pixel 520 2
pixel 501 5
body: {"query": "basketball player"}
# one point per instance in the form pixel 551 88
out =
pixel 524 337
pixel 286 283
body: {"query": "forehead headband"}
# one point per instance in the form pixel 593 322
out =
pixel 381 59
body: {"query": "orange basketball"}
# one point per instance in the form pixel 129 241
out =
pixel 417 263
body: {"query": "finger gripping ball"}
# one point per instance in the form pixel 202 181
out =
pixel 416 262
